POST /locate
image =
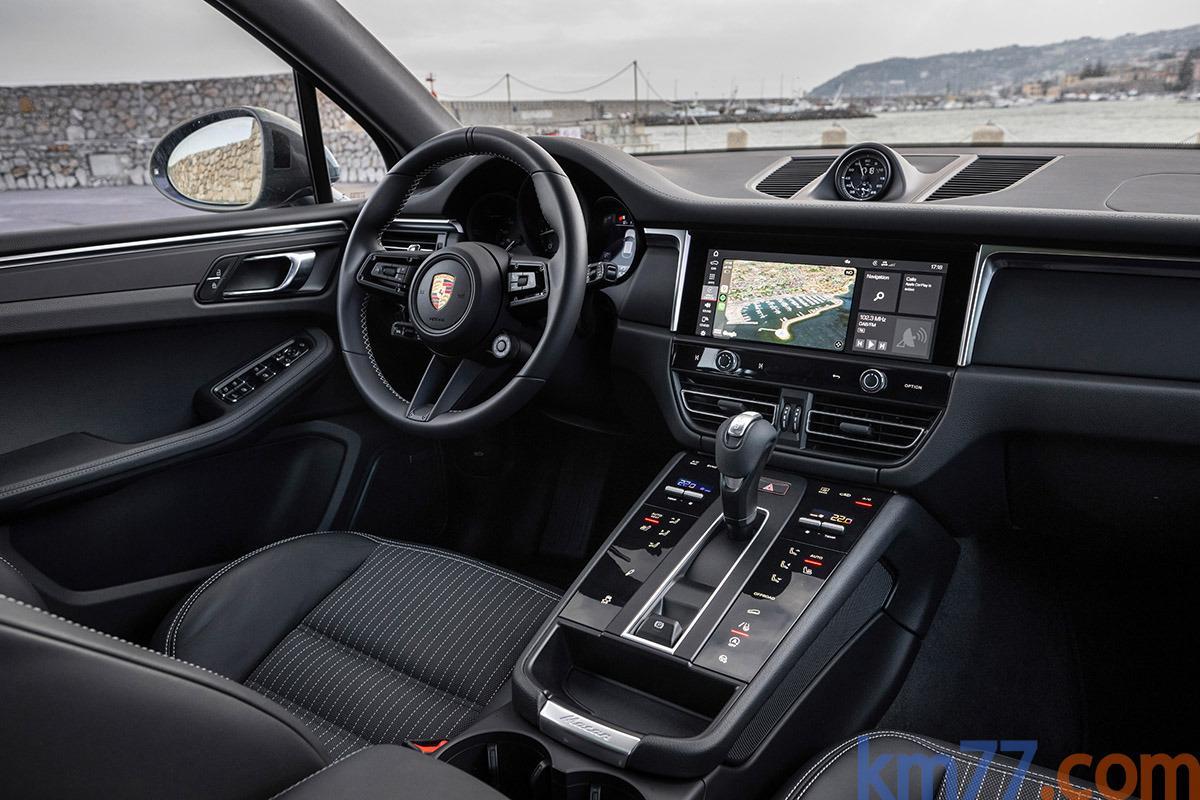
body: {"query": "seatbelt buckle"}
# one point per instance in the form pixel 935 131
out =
pixel 427 746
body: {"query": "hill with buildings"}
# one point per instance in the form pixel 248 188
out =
pixel 1157 56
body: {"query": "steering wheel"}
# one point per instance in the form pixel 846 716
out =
pixel 457 299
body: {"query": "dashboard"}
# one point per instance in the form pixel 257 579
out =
pixel 1011 323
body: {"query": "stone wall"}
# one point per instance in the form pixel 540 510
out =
pixel 80 135
pixel 102 134
pixel 230 174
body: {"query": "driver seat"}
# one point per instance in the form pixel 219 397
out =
pixel 363 640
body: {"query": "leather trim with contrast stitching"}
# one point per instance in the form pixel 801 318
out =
pixel 176 626
pixel 179 668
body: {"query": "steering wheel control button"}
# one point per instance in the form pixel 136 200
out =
pixel 518 281
pixel 502 346
pixel 403 330
pixel 661 630
pixel 526 282
pixel 388 271
pixel 727 361
pixel 872 381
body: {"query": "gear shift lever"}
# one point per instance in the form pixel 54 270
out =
pixel 744 442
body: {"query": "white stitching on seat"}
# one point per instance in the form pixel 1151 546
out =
pixel 20 574
pixel 177 623
pixel 481 565
pixel 54 616
pixel 343 697
pixel 425 682
pixel 11 566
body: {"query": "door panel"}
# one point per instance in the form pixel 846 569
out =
pixel 166 262
pixel 125 478
pixel 224 408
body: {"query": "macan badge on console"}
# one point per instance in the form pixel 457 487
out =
pixel 441 290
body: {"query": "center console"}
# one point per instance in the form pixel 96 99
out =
pixel 746 613
pixel 686 656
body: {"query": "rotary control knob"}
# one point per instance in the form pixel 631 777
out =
pixel 727 360
pixel 872 381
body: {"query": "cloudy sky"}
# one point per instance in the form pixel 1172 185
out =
pixel 685 47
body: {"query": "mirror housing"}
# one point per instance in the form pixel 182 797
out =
pixel 283 177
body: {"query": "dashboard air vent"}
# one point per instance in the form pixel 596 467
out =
pixel 865 431
pixel 798 172
pixel 989 174
pixel 399 236
pixel 707 404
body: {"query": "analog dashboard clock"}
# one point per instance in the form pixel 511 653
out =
pixel 863 174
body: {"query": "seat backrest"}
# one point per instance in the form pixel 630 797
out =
pixel 83 714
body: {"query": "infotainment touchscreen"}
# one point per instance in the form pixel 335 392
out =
pixel 871 306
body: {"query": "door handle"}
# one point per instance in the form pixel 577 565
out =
pixel 300 264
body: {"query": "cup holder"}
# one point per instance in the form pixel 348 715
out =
pixel 594 786
pixel 519 767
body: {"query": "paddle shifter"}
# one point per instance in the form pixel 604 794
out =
pixel 744 442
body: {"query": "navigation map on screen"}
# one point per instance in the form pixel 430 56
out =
pixel 806 305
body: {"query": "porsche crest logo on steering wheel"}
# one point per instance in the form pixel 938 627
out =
pixel 441 290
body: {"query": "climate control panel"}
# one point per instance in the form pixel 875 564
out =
pixel 902 382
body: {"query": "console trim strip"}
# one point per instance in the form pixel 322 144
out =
pixel 597 739
pixel 669 581
pixel 684 239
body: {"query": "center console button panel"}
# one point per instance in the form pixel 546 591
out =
pixel 644 542
pixel 825 526
pixel 731 621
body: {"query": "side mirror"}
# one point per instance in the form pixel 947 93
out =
pixel 235 159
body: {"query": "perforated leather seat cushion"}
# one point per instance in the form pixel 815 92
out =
pixel 374 642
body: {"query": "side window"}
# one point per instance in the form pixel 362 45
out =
pixel 87 98
pixel 360 166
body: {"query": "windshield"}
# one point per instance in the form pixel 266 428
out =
pixel 670 75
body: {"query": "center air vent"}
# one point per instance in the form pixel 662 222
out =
pixel 707 404
pixel 412 238
pixel 989 174
pixel 794 175
pixel 865 431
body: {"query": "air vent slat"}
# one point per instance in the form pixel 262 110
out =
pixel 791 177
pixel 707 404
pixel 399 236
pixel 988 174
pixel 864 431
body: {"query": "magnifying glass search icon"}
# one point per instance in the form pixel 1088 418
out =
pixel 878 296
